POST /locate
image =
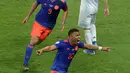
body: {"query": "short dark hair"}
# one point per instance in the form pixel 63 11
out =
pixel 72 30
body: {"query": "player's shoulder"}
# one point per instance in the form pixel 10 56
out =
pixel 62 41
pixel 59 42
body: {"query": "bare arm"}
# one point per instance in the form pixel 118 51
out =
pixel 34 6
pixel 46 49
pixel 106 11
pixel 64 17
pixel 88 46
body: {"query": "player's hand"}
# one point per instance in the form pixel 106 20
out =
pixel 25 20
pixel 106 11
pixel 107 49
pixel 38 52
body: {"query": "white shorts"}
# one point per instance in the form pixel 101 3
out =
pixel 85 21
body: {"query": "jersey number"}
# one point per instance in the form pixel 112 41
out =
pixel 49 11
pixel 71 55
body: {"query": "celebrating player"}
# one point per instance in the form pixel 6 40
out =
pixel 66 51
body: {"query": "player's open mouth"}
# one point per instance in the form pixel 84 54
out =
pixel 78 40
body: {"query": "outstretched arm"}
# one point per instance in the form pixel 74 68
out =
pixel 96 47
pixel 106 11
pixel 34 6
pixel 46 49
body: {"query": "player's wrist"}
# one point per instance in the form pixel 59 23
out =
pixel 100 47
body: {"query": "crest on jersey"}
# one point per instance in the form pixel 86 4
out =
pixel 56 7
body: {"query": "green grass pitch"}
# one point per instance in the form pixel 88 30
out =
pixel 113 31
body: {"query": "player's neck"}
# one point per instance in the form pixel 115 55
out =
pixel 71 42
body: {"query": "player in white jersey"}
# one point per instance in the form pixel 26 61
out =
pixel 87 18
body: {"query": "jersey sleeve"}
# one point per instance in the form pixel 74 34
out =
pixel 38 2
pixel 58 44
pixel 64 6
pixel 81 45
